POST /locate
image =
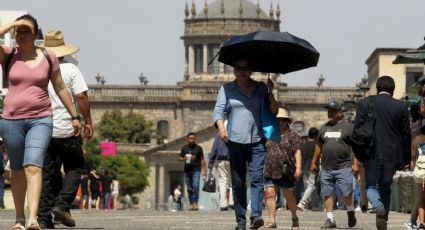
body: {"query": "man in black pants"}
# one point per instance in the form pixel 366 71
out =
pixel 65 149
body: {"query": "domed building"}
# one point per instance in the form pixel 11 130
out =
pixel 206 30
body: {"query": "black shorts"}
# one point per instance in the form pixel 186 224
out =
pixel 95 195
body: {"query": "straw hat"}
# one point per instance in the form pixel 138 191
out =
pixel 283 113
pixel 55 42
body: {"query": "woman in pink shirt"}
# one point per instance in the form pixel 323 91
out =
pixel 26 124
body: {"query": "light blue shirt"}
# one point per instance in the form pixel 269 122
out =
pixel 243 112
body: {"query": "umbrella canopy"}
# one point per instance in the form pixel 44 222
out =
pixel 414 56
pixel 411 57
pixel 271 52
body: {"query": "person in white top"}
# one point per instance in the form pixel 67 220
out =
pixel 115 192
pixel 178 197
pixel 64 148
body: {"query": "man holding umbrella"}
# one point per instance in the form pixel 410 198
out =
pixel 242 100
pixel 245 101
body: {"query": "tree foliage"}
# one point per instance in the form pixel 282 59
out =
pixel 128 128
pixel 127 167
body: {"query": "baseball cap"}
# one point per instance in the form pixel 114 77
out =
pixel 336 105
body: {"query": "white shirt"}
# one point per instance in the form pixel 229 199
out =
pixel 74 81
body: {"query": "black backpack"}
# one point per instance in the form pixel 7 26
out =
pixel 362 138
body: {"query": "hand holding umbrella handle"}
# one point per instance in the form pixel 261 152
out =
pixel 270 85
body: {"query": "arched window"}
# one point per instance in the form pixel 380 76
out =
pixel 162 128
pixel 214 67
pixel 199 58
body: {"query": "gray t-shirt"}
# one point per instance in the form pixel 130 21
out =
pixel 336 150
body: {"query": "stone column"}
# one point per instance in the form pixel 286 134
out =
pixel 161 187
pixel 191 60
pixel 152 189
pixel 205 59
pixel 186 61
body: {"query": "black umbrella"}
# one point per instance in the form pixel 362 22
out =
pixel 271 52
pixel 414 56
pixel 411 57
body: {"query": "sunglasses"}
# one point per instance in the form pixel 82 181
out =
pixel 242 68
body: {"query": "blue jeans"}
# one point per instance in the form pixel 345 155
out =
pixel 240 155
pixel 192 182
pixel 106 197
pixel 27 140
pixel 1 188
pixel 379 177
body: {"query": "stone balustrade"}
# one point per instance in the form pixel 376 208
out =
pixel 225 26
pixel 115 93
pixel 166 94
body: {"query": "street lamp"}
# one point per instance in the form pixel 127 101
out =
pixel 364 86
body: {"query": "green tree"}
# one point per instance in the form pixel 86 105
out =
pixel 130 171
pixel 127 167
pixel 128 128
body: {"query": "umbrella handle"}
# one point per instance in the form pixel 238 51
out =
pixel 212 59
pixel 270 86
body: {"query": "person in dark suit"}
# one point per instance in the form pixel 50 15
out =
pixel 391 149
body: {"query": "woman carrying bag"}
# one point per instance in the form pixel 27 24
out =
pixel 282 167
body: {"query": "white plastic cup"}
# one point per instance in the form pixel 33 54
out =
pixel 188 158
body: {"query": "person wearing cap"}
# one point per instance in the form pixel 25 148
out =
pixel 338 163
pixel 288 151
pixel 392 146
pixel 242 101
pixel 64 148
pixel 220 153
pixel 26 126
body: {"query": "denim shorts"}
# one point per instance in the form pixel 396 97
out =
pixel 332 178
pixel 281 183
pixel 26 140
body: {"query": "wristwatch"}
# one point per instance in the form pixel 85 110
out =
pixel 76 117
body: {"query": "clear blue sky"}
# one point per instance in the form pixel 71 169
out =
pixel 121 38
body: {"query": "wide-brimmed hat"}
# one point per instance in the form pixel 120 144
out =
pixel 283 113
pixel 336 105
pixel 55 42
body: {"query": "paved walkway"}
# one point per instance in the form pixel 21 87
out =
pixel 136 219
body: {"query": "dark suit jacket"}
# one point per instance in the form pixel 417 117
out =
pixel 392 128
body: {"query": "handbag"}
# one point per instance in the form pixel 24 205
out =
pixel 419 170
pixel 209 184
pixel 269 123
pixel 288 170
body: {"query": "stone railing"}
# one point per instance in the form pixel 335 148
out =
pixel 226 26
pixel 287 95
pixel 115 93
pixel 314 95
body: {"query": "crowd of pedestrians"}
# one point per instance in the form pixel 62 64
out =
pixel 44 135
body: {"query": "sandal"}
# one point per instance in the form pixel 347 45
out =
pixel 18 226
pixel 33 225
pixel 270 225
pixel 295 223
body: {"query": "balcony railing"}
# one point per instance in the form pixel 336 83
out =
pixel 287 95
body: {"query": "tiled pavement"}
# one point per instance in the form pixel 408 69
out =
pixel 137 219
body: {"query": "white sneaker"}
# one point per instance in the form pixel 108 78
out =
pixel 301 207
pixel 358 209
